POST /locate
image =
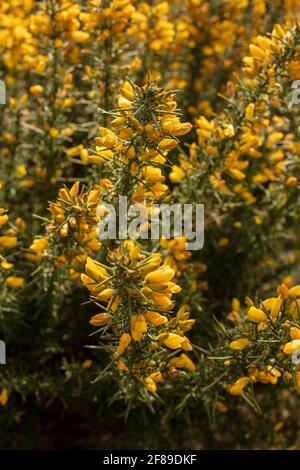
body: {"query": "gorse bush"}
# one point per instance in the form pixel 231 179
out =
pixel 182 102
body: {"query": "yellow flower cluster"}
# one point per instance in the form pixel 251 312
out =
pixel 247 155
pixel 137 290
pixel 74 214
pixel 70 235
pixel 152 27
pixel 146 126
pixel 257 145
pixel 270 335
pixel 8 248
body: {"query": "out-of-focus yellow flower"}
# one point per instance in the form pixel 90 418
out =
pixel 3 397
pixel 87 364
pixel 295 291
pixel 177 174
pixel 8 242
pixel 223 242
pixel 238 387
pixel 15 282
pixel 36 89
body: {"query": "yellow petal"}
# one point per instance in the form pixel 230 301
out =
pixel 256 315
pixel 100 319
pixel 161 275
pixel 173 341
pixel 239 344
pixel 124 342
pixel 238 387
pixel 292 347
pixel 155 318
pixel 105 294
pixel 3 397
pixel 295 291
pixel 183 361
pixel 295 332
pixel 138 327
pixel 15 282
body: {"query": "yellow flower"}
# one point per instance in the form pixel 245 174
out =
pixel 87 364
pixel 273 374
pixel 292 181
pixel 80 36
pixel 295 291
pixel 124 342
pixel 278 426
pixel 127 91
pixel 295 332
pixel 106 294
pixel 138 327
pixel 172 340
pixel 167 144
pixel 100 319
pixel 3 396
pixel 8 242
pixel 150 385
pixel 283 290
pixel 39 245
pixel 108 138
pixel 239 344
pixel 292 347
pixel 183 361
pixel 236 174
pixel 15 282
pixel 238 387
pixel 220 406
pixel 36 89
pixel 172 126
pixel 249 113
pixel 186 345
pixel 235 304
pixel 95 270
pixel 160 300
pixel 21 171
pixel 3 219
pixel 257 52
pixel 273 305
pixel 160 276
pixel 177 174
pixel 27 183
pixel 155 318
pixel 223 242
pixel 54 133
pixel 256 315
pixel 6 265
